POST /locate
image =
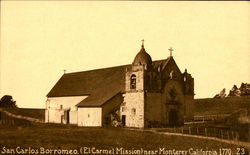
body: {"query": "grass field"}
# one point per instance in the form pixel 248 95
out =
pixel 70 137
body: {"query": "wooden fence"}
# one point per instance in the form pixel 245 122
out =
pixel 210 117
pixel 207 132
pixel 6 120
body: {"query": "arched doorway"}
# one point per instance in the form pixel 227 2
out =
pixel 173 117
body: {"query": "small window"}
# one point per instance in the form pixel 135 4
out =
pixel 133 82
pixel 133 111
pixel 171 75
pixel 123 109
pixel 61 106
pixel 88 115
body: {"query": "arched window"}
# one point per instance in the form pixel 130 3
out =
pixel 133 82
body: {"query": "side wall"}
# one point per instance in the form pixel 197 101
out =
pixel 90 116
pixel 56 108
pixel 154 109
pixel 188 107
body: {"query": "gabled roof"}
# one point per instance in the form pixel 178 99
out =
pixel 167 63
pixel 100 84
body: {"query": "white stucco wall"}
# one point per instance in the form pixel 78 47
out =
pixel 88 116
pixel 56 106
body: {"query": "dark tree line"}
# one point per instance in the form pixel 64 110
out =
pixel 7 102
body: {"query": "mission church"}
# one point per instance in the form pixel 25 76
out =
pixel 144 93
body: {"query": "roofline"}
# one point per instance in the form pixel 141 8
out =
pixel 102 103
pixel 32 108
pixel 100 106
pixel 95 69
pixel 55 84
pixel 109 67
pixel 70 95
pixel 112 97
pixel 171 58
pixel 89 71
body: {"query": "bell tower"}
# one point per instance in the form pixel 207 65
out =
pixel 132 110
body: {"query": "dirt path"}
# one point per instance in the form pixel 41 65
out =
pixel 21 117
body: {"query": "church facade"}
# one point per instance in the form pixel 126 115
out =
pixel 145 93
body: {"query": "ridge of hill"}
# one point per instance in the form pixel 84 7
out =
pixel 213 106
pixel 32 115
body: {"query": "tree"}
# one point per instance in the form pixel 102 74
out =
pixel 7 102
pixel 222 94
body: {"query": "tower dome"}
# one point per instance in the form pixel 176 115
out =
pixel 142 58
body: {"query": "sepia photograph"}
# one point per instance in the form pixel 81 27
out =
pixel 125 77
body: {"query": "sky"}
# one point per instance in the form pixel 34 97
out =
pixel 39 39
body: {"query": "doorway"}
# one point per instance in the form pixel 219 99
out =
pixel 123 120
pixel 66 116
pixel 173 117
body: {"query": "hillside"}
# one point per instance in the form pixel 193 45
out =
pixel 214 106
pixel 28 112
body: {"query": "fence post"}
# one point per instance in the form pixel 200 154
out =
pixel 221 133
pixel 197 129
pixel 189 128
pixel 174 129
pixel 182 130
pixel 206 132
pixel 227 134
pixel 233 135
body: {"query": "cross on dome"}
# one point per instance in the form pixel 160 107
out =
pixel 142 41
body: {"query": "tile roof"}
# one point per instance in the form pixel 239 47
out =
pixel 100 84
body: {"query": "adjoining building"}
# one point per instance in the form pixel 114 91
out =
pixel 146 93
